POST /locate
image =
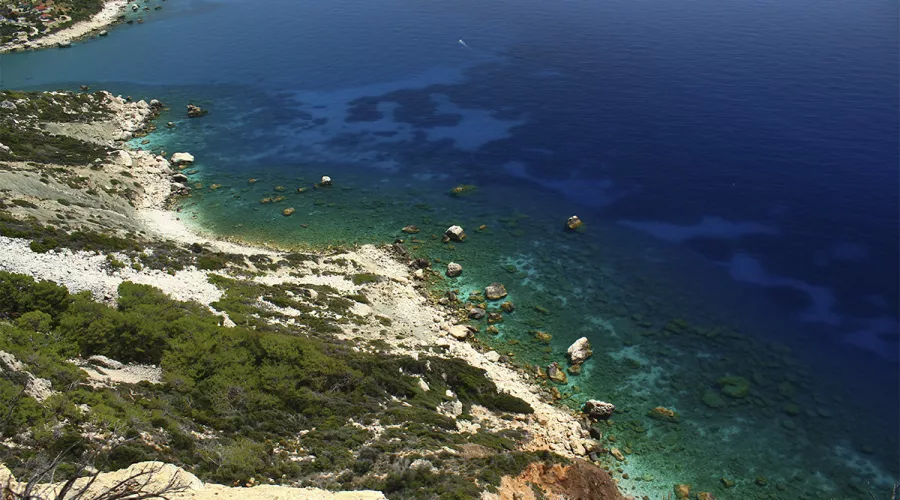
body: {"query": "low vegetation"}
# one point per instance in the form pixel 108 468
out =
pixel 239 403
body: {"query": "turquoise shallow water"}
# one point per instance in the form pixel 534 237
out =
pixel 732 164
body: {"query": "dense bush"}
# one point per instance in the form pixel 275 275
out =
pixel 253 392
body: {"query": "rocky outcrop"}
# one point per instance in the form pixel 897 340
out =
pixel 495 291
pixel 598 410
pixel 38 388
pixel 195 111
pixel 125 159
pixel 476 313
pixel 580 479
pixel 579 351
pixel 9 363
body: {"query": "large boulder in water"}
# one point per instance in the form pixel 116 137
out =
pixel 598 410
pixel 180 158
pixel 455 233
pixel 580 351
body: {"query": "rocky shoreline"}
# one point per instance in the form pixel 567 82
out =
pixel 107 16
pixel 397 291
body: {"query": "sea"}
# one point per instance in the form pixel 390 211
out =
pixel 734 164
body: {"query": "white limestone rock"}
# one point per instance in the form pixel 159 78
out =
pixel 179 158
pixel 580 351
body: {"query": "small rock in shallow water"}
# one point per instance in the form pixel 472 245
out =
pixel 574 223
pixel 495 291
pixel 556 374
pixel 326 181
pixel 664 414
pixel 542 336
pixel 410 229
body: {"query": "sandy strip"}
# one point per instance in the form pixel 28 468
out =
pixel 102 19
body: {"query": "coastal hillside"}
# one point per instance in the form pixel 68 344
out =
pixel 126 338
pixel 35 24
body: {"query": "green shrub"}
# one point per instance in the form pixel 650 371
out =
pixel 360 279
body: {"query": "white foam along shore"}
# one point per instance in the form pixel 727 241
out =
pixel 107 16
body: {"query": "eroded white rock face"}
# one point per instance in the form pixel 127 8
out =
pixel 8 362
pixel 580 351
pixel 125 159
pixel 39 388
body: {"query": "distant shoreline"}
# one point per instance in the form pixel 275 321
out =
pixel 106 17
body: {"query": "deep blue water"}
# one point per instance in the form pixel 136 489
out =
pixel 736 163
